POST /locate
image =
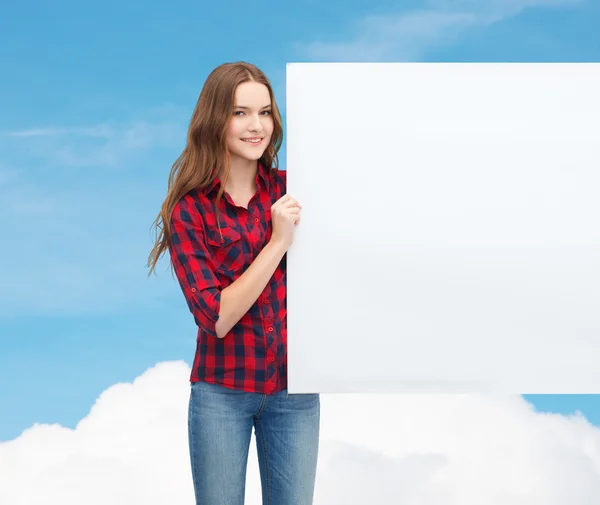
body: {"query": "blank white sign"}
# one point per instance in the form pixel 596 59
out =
pixel 449 239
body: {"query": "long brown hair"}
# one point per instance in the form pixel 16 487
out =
pixel 205 155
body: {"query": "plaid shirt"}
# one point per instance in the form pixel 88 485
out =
pixel 253 355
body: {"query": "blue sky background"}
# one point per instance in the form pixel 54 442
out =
pixel 95 101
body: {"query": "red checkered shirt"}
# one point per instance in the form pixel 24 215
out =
pixel 253 355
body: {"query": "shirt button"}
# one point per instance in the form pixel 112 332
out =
pixel 271 359
pixel 266 301
pixel 193 290
pixel 256 219
pixel 270 328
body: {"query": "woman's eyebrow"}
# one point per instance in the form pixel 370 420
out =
pixel 246 108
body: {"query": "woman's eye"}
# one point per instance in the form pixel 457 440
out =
pixel 238 112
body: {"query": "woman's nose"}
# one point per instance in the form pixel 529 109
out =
pixel 256 124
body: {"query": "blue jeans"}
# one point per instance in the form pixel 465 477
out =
pixel 220 422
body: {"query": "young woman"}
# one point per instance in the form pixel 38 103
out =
pixel 227 223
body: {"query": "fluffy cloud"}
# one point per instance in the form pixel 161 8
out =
pixel 384 449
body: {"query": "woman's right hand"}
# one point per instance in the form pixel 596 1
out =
pixel 285 216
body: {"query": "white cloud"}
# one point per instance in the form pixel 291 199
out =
pixel 102 131
pixel 103 146
pixel 112 144
pixel 384 449
pixel 409 35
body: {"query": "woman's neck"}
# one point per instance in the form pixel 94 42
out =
pixel 242 176
pixel 241 183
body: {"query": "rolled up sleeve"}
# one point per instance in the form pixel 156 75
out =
pixel 194 266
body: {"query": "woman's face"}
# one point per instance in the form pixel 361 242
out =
pixel 251 124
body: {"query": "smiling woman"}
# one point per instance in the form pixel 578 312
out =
pixel 228 223
pixel 245 93
pixel 250 129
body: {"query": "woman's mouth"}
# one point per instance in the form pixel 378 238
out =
pixel 253 141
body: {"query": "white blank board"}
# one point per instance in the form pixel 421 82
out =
pixel 449 239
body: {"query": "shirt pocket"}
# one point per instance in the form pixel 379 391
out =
pixel 227 249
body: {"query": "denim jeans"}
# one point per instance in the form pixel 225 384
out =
pixel 220 422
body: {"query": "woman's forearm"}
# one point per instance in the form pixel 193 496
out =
pixel 237 298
